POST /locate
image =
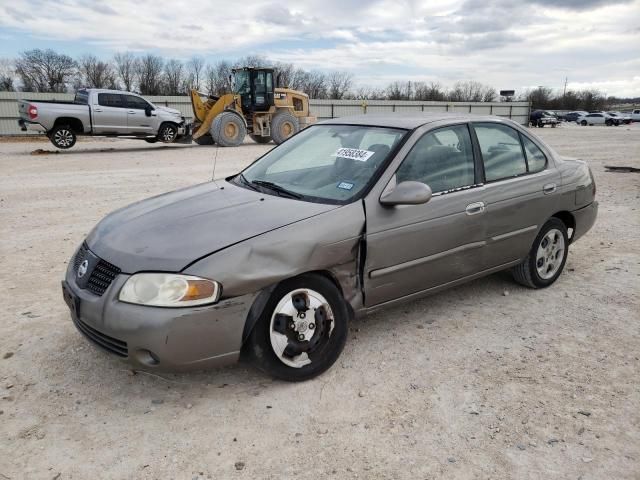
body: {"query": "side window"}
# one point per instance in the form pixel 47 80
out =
pixel 110 100
pixel 136 102
pixel 442 159
pixel 536 160
pixel 501 151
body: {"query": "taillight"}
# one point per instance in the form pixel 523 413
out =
pixel 32 110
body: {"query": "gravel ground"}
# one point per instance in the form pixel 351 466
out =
pixel 487 380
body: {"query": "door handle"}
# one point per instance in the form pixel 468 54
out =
pixel 475 208
pixel 131 112
pixel 549 188
pixel 97 109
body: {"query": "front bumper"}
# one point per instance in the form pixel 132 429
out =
pixel 167 339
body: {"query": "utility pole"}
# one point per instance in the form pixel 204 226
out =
pixel 566 79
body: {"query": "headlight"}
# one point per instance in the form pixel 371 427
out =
pixel 169 290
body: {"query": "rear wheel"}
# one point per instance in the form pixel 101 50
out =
pixel 62 136
pixel 283 125
pixel 260 138
pixel 608 123
pixel 583 123
pixel 302 329
pixel 228 129
pixel 547 257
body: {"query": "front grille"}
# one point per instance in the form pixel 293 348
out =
pixel 110 344
pixel 101 276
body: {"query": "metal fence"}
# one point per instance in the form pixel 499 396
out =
pixel 323 109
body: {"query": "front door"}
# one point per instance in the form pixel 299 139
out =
pixel 414 248
pixel 109 114
pixel 138 123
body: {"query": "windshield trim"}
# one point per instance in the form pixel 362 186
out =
pixel 330 201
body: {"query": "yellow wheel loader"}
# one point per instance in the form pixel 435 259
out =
pixel 255 107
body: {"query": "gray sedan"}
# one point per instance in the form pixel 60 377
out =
pixel 346 217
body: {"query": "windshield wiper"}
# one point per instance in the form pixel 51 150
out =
pixel 276 188
pixel 246 182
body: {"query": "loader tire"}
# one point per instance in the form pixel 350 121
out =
pixel 260 138
pixel 283 126
pixel 228 129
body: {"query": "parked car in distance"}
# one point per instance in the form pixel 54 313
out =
pixel 620 117
pixel 344 218
pixel 540 118
pixel 635 115
pixel 598 118
pixel 99 112
pixel 573 116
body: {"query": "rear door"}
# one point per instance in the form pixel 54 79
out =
pixel 413 248
pixel 521 188
pixel 109 115
pixel 138 122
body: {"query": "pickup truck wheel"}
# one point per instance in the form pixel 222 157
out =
pixel 228 129
pixel 547 256
pixel 540 125
pixel 151 140
pixel 168 133
pixel 62 136
pixel 302 329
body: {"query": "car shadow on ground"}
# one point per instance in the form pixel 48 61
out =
pixel 80 151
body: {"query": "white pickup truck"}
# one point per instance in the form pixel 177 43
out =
pixel 109 113
pixel 635 115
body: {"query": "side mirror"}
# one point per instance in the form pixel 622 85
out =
pixel 406 193
pixel 147 111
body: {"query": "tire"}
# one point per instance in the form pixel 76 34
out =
pixel 300 347
pixel 260 138
pixel 63 137
pixel 583 123
pixel 553 125
pixel 540 125
pixel 205 140
pixel 228 129
pixel 283 125
pixel 547 257
pixel 151 140
pixel 608 123
pixel 168 133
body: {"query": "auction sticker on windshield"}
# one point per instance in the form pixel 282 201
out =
pixel 353 154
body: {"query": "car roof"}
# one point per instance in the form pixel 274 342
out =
pixel 407 121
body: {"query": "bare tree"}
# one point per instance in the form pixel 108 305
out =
pixel 339 84
pixel 44 70
pixel 195 68
pixel 6 75
pixel 217 78
pixel 399 91
pixel 173 77
pixel 432 91
pixel 540 97
pixel 126 68
pixel 149 74
pixel 95 73
pixel 315 85
pixel 472 91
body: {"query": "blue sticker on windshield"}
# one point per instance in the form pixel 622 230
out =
pixel 345 185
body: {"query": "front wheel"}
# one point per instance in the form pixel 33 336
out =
pixel 168 133
pixel 228 129
pixel 302 329
pixel 283 125
pixel 62 136
pixel 608 123
pixel 547 256
pixel 583 123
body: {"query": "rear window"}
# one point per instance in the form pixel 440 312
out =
pixel 110 100
pixel 81 98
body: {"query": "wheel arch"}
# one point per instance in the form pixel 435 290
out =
pixel 568 219
pixel 262 298
pixel 74 123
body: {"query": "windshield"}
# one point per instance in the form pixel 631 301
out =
pixel 241 82
pixel 330 163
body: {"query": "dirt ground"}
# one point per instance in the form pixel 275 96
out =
pixel 487 380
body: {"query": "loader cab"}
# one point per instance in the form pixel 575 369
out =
pixel 255 87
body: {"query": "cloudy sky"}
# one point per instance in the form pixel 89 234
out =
pixel 504 43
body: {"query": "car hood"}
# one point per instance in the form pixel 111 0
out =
pixel 172 111
pixel 171 231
